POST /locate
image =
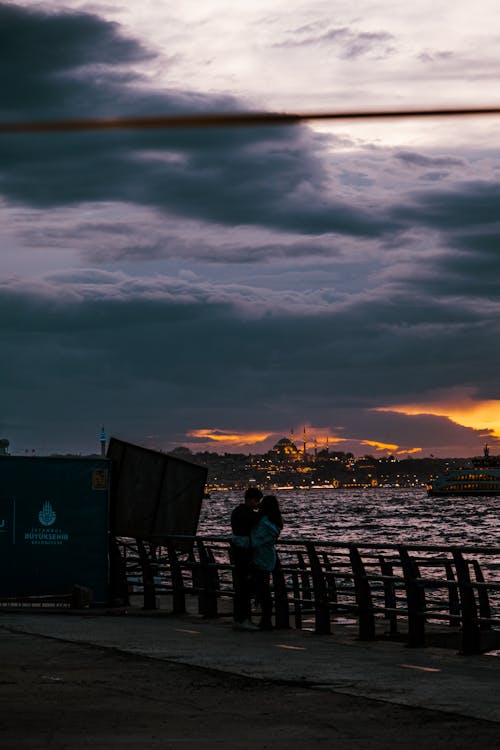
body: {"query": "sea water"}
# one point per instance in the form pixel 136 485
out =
pixel 386 515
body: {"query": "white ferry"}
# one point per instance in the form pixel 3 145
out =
pixel 481 478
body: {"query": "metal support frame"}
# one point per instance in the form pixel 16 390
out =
pixel 297 601
pixel 118 585
pixel 147 576
pixel 305 581
pixel 483 598
pixel 415 597
pixel 329 574
pixel 366 618
pixel 281 604
pixel 471 633
pixel 453 598
pixel 390 601
pixel 322 625
pixel 178 594
pixel 210 581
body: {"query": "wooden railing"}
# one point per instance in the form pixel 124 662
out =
pixel 395 591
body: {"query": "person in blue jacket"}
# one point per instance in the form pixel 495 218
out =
pixel 243 519
pixel 263 539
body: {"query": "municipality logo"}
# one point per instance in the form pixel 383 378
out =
pixel 42 534
pixel 47 515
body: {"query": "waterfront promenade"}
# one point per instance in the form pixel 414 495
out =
pixel 134 680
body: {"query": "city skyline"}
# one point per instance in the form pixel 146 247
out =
pixel 213 288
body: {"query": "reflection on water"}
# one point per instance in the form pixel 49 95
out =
pixel 379 515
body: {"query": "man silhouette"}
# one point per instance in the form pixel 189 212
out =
pixel 243 519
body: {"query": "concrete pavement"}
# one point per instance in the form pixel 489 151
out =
pixel 432 678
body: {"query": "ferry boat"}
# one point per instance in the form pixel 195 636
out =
pixel 481 478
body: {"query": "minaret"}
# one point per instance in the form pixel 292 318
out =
pixel 304 439
pixel 103 441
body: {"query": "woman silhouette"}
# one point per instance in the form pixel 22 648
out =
pixel 263 542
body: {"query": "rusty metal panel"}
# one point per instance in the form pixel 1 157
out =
pixel 153 494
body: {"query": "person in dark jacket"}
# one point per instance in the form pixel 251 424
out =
pixel 243 519
pixel 263 539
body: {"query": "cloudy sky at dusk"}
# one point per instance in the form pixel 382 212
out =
pixel 218 288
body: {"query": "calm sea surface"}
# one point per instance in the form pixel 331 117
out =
pixel 380 515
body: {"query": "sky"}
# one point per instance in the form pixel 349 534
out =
pixel 220 289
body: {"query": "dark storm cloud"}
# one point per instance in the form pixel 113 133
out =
pixel 471 269
pixel 165 330
pixel 399 296
pixel 467 222
pixel 274 177
pixel 43 56
pixel 482 245
pixel 107 240
pixel 232 254
pixel 184 353
pixel 467 204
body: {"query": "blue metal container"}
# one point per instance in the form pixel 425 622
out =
pixel 54 525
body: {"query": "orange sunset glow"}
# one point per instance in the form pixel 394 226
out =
pixel 231 438
pixel 315 438
pixel 380 446
pixel 467 412
pixel 389 447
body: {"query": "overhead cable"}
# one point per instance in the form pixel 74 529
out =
pixel 231 119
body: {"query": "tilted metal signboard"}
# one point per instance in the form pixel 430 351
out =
pixel 153 494
pixel 53 525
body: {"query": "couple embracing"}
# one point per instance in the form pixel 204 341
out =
pixel 256 525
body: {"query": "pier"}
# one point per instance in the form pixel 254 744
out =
pixel 417 594
pixel 162 681
pixel 433 678
pixel 373 646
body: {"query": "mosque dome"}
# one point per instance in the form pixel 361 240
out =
pixel 285 447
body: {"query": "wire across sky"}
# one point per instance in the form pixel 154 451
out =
pixel 232 119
